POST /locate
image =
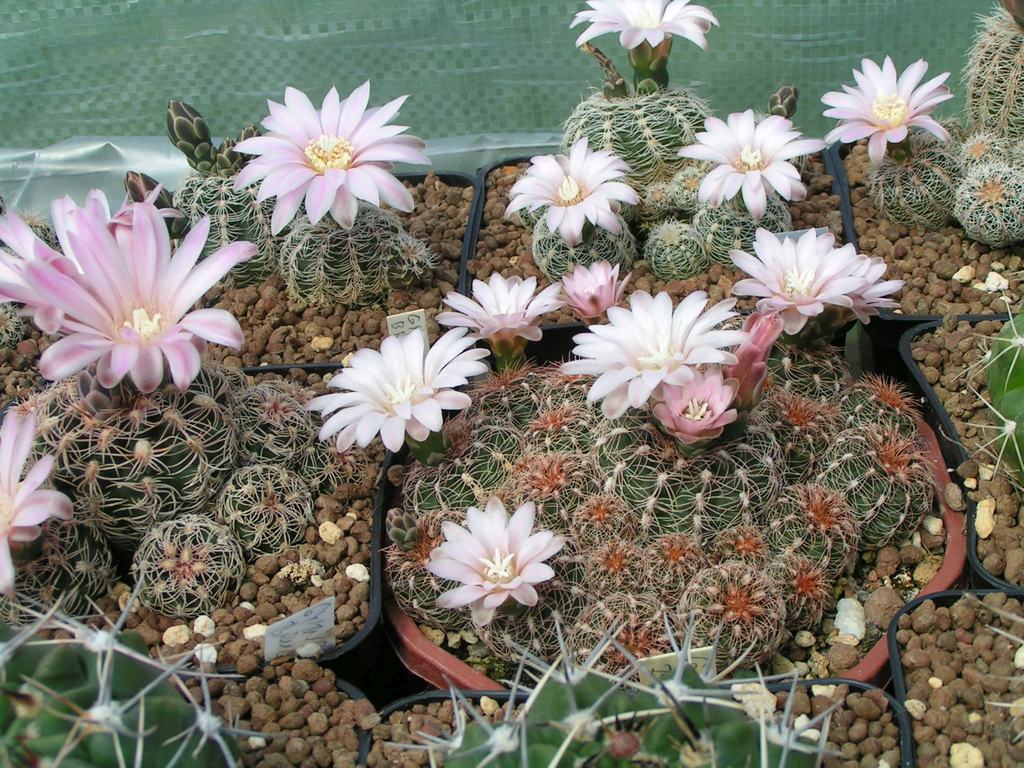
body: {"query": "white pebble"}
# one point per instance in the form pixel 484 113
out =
pixel 850 618
pixel 804 639
pixel 255 631
pixel 823 690
pixel 985 517
pixel 916 708
pixel 203 625
pixel 844 639
pixel 257 742
pixel 971 483
pixel 964 274
pixel 757 701
pixel 811 734
pixel 205 653
pixel 974 718
pixel 176 635
pixel 308 651
pixel 934 682
pixel 1018 658
pixel 966 755
pixel 358 572
pixel 996 282
pixel 248 606
pixel 800 722
pixel 986 472
pixel 489 706
pixel 933 525
pixel 329 532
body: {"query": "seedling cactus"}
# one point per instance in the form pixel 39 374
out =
pixel 267 507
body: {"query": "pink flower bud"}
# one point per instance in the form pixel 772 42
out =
pixel 751 368
pixel 591 292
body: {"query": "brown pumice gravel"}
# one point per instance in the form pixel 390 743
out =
pixel 957 670
pixel 928 261
pixel 951 361
pixel 19 367
pixel 505 246
pixel 278 330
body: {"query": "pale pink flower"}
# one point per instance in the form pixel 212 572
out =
pixel 24 506
pixel 590 292
pixel 583 186
pixel 97 206
pixel 502 310
pixel 129 309
pixel 876 293
pixel 650 21
pixel 400 390
pixel 796 280
pixel 697 412
pixel 651 344
pixel 750 157
pixel 495 559
pixel 751 368
pixel 885 105
pixel 331 157
pixel 25 247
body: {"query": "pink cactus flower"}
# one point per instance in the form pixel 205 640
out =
pixel 129 309
pixel 579 188
pixel 650 21
pixel 886 105
pixel 25 247
pixel 751 368
pixel 876 293
pixel 331 157
pixel 495 559
pixel 750 157
pixel 590 292
pixel 502 310
pixel 697 412
pixel 24 506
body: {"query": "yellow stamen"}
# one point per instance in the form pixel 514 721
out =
pixel 890 109
pixel 750 160
pixel 570 193
pixel 147 327
pixel 330 152
pixel 499 570
pixel 696 411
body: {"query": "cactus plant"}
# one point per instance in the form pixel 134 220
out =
pixel 38 224
pixel 983 147
pixel 993 74
pixel 804 428
pixel 325 264
pixel 12 325
pixel 730 227
pixel 556 258
pixel 188 566
pixel 675 197
pixel 267 507
pixel 130 460
pixel 815 523
pixel 806 588
pixel 1005 374
pixel 989 204
pixel 879 401
pixel 274 426
pixel 675 251
pixel 920 191
pixel 344 475
pixel 818 374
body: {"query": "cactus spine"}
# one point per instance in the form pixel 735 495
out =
pixel 990 204
pixel 675 251
pixel 555 258
pixel 730 228
pixel 267 508
pixel 993 76
pixel 921 191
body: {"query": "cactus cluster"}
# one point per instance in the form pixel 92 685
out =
pixel 676 197
pixel 993 74
pixel 555 258
pixel 990 203
pixel 654 534
pixel 578 715
pixel 920 191
pixel 267 507
pixel 96 699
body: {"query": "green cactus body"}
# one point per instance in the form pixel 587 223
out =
pixel 814 374
pixel 886 480
pixel 343 474
pixel 877 401
pixel 921 191
pixel 62 702
pixel 554 257
pixel 730 227
pixel 145 458
pixel 234 216
pixel 806 590
pixel 984 147
pixel 1004 367
pixel 188 566
pixel 325 264
pixel 674 198
pixel 12 325
pixel 990 204
pixel 646 130
pixel 804 428
pixel 741 542
pixel 675 251
pixel 993 77
pixel 274 426
pixel 815 523
pixel 267 507
pixel 70 561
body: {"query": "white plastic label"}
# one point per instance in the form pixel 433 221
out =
pixel 784 236
pixel 406 322
pixel 310 626
pixel 662 667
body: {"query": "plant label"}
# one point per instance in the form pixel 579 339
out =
pixel 662 667
pixel 312 627
pixel 784 236
pixel 406 322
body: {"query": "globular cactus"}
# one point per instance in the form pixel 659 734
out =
pixel 675 559
pixel 730 228
pixel 921 191
pixel 1004 367
pixel 990 204
pixel 578 715
pixel 324 264
pixel 345 474
pixel 130 460
pixel 675 197
pixel 646 130
pixel 675 251
pixel 885 478
pixel 267 507
pixel 815 523
pixel 804 428
pixel 879 401
pixel 96 699
pixel 274 426
pixel 813 373
pixel 69 562
pixel 555 258
pixel 12 325
pixel 188 566
pixel 741 542
pixel 636 620
pixel 807 590
pixel 993 75
pixel 983 147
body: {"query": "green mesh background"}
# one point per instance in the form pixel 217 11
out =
pixel 474 67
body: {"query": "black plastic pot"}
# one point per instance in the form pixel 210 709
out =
pixel 428 697
pixel 952 447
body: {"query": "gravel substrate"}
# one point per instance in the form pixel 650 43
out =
pixel 964 689
pixel 928 261
pixel 505 246
pixel 277 586
pixel 281 331
pixel 951 361
pixel 19 370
